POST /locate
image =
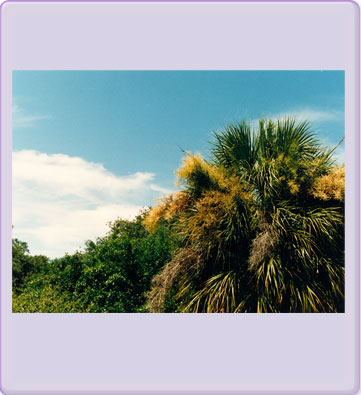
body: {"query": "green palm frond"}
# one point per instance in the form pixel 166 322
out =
pixel 219 294
pixel 235 147
pixel 266 221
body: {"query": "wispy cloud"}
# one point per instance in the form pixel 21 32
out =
pixel 60 201
pixel 22 119
pixel 311 115
pixel 314 116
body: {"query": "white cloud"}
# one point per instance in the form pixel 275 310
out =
pixel 20 119
pixel 60 201
pixel 311 115
pixel 306 114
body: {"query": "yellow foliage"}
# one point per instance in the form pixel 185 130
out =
pixel 209 209
pixel 207 216
pixel 331 185
pixel 150 222
pixel 168 207
pixel 192 163
pixel 205 224
pixel 294 188
pixel 189 164
pixel 313 167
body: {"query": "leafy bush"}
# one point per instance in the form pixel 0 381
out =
pixel 111 275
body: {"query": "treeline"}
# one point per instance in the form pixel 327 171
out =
pixel 259 227
pixel 112 275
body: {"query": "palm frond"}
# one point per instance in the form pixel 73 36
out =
pixel 219 294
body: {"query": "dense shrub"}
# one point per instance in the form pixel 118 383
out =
pixel 111 275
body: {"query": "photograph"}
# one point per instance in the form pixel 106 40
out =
pixel 178 191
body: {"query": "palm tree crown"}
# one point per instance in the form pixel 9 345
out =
pixel 261 225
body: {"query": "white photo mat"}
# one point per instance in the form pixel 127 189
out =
pixel 99 353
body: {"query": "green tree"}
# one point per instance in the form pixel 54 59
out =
pixel 262 225
pixel 112 274
pixel 117 270
pixel 23 264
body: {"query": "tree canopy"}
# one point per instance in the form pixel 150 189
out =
pixel 111 275
pixel 258 226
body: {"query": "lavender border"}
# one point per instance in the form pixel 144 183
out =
pixel 357 180
pixel 181 1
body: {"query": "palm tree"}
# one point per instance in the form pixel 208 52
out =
pixel 261 225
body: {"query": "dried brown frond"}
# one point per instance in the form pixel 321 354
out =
pixel 185 263
pixel 331 185
pixel 262 245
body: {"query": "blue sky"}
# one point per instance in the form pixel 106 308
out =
pixel 92 145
